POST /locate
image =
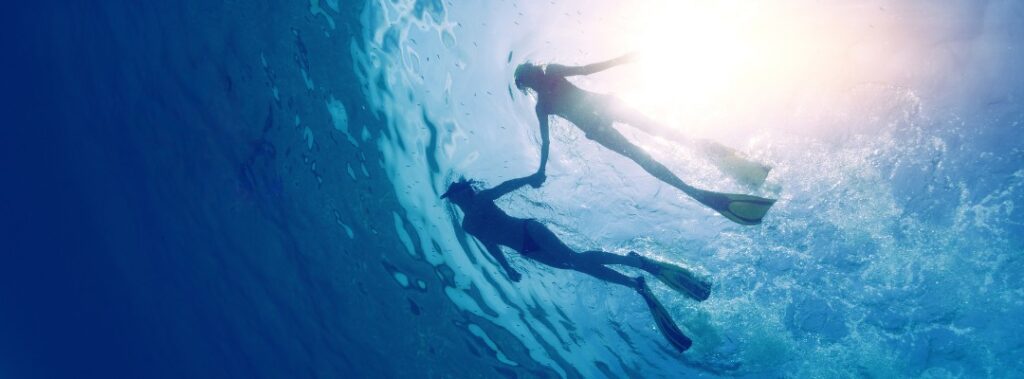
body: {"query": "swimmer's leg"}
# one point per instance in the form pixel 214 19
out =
pixel 615 141
pixel 726 159
pixel 606 274
pixel 593 263
pixel 676 277
pixel 742 209
pixel 553 252
pixel 606 258
pixel 621 112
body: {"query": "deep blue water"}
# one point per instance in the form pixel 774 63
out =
pixel 250 189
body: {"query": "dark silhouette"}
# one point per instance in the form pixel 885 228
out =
pixel 531 239
pixel 595 113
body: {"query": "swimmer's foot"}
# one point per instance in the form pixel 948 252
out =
pixel 677 278
pixel 662 319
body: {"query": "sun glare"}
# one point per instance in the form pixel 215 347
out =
pixel 695 57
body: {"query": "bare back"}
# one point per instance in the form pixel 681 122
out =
pixel 491 225
pixel 587 110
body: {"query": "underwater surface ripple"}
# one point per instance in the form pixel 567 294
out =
pixel 226 189
pixel 892 252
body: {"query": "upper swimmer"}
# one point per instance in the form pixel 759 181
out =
pixel 595 115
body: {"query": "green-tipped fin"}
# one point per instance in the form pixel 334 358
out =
pixel 741 209
pixel 747 209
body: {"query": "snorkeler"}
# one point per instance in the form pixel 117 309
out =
pixel 494 228
pixel 595 113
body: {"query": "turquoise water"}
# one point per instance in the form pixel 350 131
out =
pixel 251 190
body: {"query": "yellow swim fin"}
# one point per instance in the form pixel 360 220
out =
pixel 741 209
pixel 747 209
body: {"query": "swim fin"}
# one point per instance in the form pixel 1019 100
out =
pixel 663 320
pixel 732 163
pixel 677 278
pixel 741 209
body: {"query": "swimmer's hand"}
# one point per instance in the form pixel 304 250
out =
pixel 536 180
pixel 513 275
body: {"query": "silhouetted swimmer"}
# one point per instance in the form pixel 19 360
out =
pixel 595 113
pixel 531 239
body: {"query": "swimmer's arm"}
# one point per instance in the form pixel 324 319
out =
pixel 500 257
pixel 545 143
pixel 506 187
pixel 560 70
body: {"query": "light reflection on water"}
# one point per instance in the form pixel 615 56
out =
pixel 855 105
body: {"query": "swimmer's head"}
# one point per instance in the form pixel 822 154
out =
pixel 459 191
pixel 527 75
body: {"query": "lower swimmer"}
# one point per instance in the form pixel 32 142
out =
pixel 531 239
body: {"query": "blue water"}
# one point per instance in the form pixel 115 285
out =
pixel 250 189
